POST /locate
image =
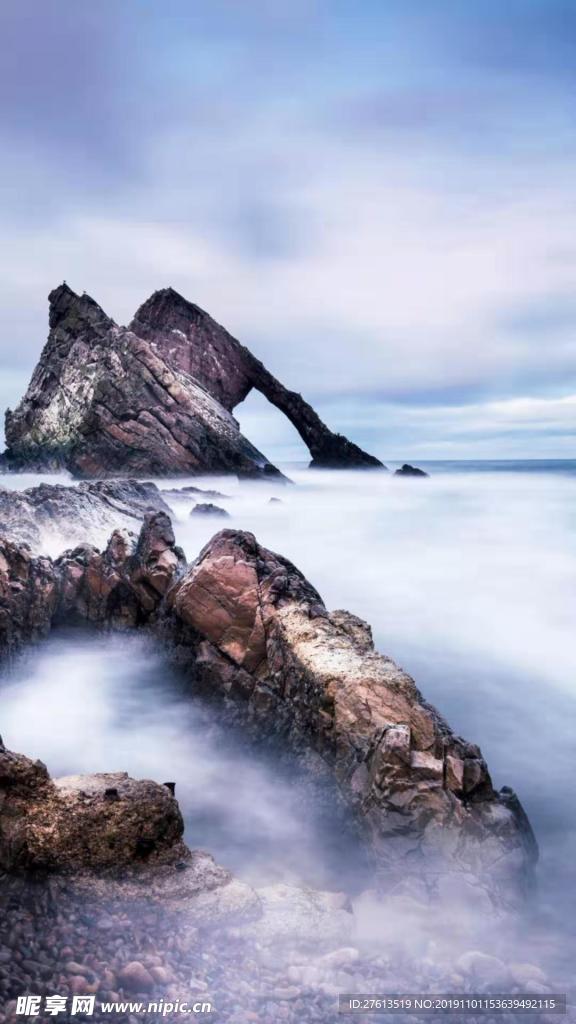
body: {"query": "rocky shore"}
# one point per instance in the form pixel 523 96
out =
pixel 252 633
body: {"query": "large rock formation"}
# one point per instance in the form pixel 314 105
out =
pixel 252 632
pixel 250 628
pixel 153 399
pixel 102 402
pixel 188 338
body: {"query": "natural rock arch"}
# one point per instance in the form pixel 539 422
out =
pixel 155 398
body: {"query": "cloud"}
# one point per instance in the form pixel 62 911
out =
pixel 356 195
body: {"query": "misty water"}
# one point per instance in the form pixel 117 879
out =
pixel 468 581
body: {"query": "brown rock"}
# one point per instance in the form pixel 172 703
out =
pixel 135 978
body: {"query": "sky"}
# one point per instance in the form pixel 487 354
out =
pixel 377 198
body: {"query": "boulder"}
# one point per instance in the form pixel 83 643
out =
pixel 208 509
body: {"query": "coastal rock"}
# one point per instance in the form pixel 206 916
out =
pixel 110 836
pixel 208 509
pixel 264 641
pixel 53 513
pixel 252 632
pixel 408 470
pixel 103 403
pixel 152 399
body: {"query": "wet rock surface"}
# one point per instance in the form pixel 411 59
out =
pixel 152 399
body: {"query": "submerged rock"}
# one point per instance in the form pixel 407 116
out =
pixel 152 399
pixel 408 470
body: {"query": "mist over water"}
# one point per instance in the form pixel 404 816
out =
pixel 468 581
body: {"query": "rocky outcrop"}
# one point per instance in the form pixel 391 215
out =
pixel 46 515
pixel 408 470
pixel 103 402
pixel 251 629
pixel 252 632
pixel 110 835
pixel 152 399
pixel 121 586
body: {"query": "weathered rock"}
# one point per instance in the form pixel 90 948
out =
pixel 103 402
pixel 107 835
pixel 408 470
pixel 153 399
pixel 43 515
pixel 121 586
pixel 263 640
pixel 252 631
pixel 191 340
pixel 207 509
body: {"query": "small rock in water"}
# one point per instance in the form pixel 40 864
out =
pixel 208 509
pixel 408 470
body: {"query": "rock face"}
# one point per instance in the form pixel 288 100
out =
pixel 51 512
pixel 102 402
pixel 263 640
pixel 252 632
pixel 153 399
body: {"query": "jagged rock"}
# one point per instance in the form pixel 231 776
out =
pixel 153 399
pixel 263 640
pixel 252 631
pixel 102 402
pixel 407 470
pixel 207 509
pixel 121 586
pixel 87 511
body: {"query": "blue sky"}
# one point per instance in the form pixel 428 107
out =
pixel 376 197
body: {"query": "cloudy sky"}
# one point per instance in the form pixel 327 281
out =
pixel 377 197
